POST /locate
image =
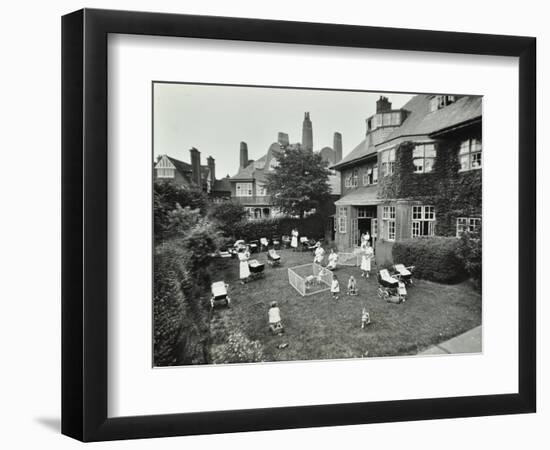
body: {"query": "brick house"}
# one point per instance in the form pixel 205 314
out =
pixel 416 173
pixel 185 174
pixel 247 185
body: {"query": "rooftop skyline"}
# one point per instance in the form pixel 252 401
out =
pixel 215 119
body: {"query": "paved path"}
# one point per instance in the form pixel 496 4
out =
pixel 469 342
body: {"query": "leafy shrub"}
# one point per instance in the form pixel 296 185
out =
pixel 434 258
pixel 237 349
pixel 227 215
pixel 469 252
pixel 180 331
pixel 166 197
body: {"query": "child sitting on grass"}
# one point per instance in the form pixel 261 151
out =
pixel 352 286
pixel 365 318
pixel 335 288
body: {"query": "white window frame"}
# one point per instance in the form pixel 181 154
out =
pixel 470 224
pixel 342 220
pixel 388 217
pixel 388 165
pixel 244 190
pixel 424 146
pixel 474 147
pixel 422 215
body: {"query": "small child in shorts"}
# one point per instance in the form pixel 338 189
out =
pixel 335 288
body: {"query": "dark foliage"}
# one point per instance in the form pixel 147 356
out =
pixel 166 197
pixel 311 226
pixel 453 193
pixel 435 258
pixel 180 328
pixel 227 215
pixel 299 181
pixel 469 251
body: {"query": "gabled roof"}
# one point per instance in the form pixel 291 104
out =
pixel 420 121
pixel 363 150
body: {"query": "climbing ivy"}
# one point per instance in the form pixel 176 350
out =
pixel 453 193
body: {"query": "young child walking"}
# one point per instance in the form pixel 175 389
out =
pixel 352 286
pixel 335 288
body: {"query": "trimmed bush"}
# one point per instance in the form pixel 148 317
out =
pixel 435 258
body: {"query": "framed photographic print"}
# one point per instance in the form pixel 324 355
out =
pixel 273 224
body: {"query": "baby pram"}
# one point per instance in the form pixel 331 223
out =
pixel 404 274
pixel 256 269
pixel 273 258
pixel 219 294
pixel 391 289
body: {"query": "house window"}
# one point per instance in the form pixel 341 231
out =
pixel 423 221
pixel 470 224
pixel 388 218
pixel 440 101
pixel 261 191
pixel 244 190
pixel 388 161
pixel 355 178
pixel 469 154
pixel 423 157
pixel 364 212
pixel 165 173
pixel 370 176
pixel 343 220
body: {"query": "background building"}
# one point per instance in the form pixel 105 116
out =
pixel 194 174
pixel 248 184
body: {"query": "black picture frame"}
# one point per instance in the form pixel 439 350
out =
pixel 84 224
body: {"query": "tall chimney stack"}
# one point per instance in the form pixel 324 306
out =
pixel 212 166
pixel 383 104
pixel 244 155
pixel 337 147
pixel 307 133
pixel 196 166
pixel 282 139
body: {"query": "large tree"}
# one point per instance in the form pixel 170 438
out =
pixel 299 182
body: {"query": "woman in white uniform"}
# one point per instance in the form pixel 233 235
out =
pixel 294 240
pixel 244 270
pixel 368 253
pixel 319 254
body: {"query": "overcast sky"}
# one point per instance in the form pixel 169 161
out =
pixel 215 119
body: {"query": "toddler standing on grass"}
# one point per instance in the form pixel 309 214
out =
pixel 365 318
pixel 352 286
pixel 335 288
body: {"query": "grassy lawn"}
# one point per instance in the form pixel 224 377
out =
pixel 318 327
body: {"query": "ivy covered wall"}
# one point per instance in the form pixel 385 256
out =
pixel 452 192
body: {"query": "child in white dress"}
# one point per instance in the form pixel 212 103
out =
pixel 335 288
pixel 244 270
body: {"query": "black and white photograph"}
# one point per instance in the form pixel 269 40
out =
pixel 295 224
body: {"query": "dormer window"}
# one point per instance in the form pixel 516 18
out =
pixel 440 101
pixel 385 119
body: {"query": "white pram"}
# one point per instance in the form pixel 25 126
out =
pixel 219 294
pixel 404 273
pixel 391 289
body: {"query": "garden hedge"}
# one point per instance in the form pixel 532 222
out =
pixel 312 227
pixel 435 258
